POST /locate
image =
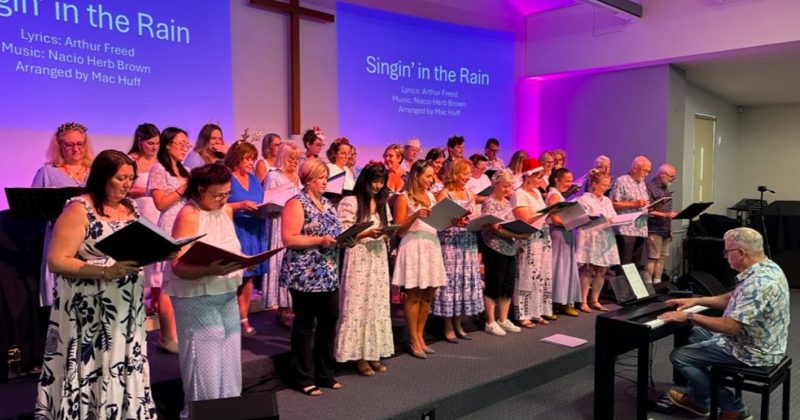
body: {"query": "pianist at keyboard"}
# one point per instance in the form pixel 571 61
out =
pixel 752 330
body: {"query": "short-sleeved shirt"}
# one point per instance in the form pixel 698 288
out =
pixel 479 184
pixel 503 210
pixel 626 189
pixel 761 303
pixel 659 225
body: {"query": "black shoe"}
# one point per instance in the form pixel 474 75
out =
pixel 463 336
pixel 450 340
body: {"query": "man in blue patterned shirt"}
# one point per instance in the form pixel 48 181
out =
pixel 659 224
pixel 752 331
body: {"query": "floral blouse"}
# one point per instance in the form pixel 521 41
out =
pixel 313 269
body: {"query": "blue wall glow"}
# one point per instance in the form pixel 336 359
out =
pixel 402 77
pixel 114 65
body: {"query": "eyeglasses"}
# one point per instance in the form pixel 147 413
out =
pixel 220 195
pixel 725 252
pixel 79 145
pixel 185 146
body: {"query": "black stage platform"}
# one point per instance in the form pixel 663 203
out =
pixel 458 379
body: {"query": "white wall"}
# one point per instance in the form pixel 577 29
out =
pixel 619 114
pixel 585 37
pixel 769 146
pixel 726 171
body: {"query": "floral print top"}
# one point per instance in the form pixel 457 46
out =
pixel 313 269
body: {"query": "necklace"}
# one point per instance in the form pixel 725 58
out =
pixel 77 175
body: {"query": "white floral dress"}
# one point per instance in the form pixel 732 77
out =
pixel 95 360
pixel 533 288
pixel 364 329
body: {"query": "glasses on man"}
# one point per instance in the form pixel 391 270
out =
pixel 78 145
pixel 725 252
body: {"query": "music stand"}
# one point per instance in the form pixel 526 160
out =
pixel 689 213
pixel 39 203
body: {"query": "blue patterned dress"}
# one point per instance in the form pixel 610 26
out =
pixel 463 292
pixel 313 269
pixel 95 360
pixel 250 230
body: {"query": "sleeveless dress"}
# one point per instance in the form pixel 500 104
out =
pixel 148 210
pixel 49 176
pixel 419 262
pixel 533 289
pixel 250 229
pixel 364 329
pixel 313 269
pixel 566 281
pixel 274 294
pixel 95 361
pixel 463 292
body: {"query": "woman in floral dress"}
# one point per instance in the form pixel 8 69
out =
pixel 364 332
pixel 95 361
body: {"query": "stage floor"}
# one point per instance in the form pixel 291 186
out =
pixel 511 377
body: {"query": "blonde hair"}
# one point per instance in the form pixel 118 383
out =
pixel 503 176
pixel 56 158
pixel 312 169
pixel 457 166
pixel 515 164
pixel 285 153
pixel 401 152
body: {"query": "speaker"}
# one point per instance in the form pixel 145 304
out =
pixel 701 283
pixel 247 406
pixel 705 254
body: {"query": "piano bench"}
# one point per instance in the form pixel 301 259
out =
pixel 762 380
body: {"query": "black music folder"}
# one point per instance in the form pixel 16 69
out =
pixel 143 242
pixel 694 210
pixel 40 203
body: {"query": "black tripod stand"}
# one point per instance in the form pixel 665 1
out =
pixel 762 189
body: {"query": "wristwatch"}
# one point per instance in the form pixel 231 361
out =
pixel 690 318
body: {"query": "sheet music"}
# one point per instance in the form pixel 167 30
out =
pixel 635 281
pixel 659 201
pixel 280 194
pixel 487 219
pixel 623 219
pixel 336 183
pixel 574 217
pixel 443 213
pixel 564 340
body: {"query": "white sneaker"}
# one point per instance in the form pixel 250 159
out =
pixel 509 326
pixel 495 329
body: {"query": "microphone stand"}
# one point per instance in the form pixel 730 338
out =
pixel 762 190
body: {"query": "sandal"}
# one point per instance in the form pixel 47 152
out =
pixel 527 323
pixel 542 321
pixel 312 391
pixel 247 329
pixel 335 385
pixel 364 368
pixel 598 306
pixel 586 308
pixel 377 366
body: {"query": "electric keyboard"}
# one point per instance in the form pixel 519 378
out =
pixel 626 329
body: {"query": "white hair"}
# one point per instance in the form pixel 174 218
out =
pixel 601 158
pixel 748 239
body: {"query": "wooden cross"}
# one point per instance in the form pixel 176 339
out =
pixel 295 12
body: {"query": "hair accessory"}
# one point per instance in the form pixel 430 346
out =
pixel 318 132
pixel 342 140
pixel 63 128
pixel 531 166
pixel 252 136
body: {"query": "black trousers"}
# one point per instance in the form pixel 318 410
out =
pixel 631 250
pixel 500 271
pixel 313 331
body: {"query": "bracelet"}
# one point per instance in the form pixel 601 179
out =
pixel 103 274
